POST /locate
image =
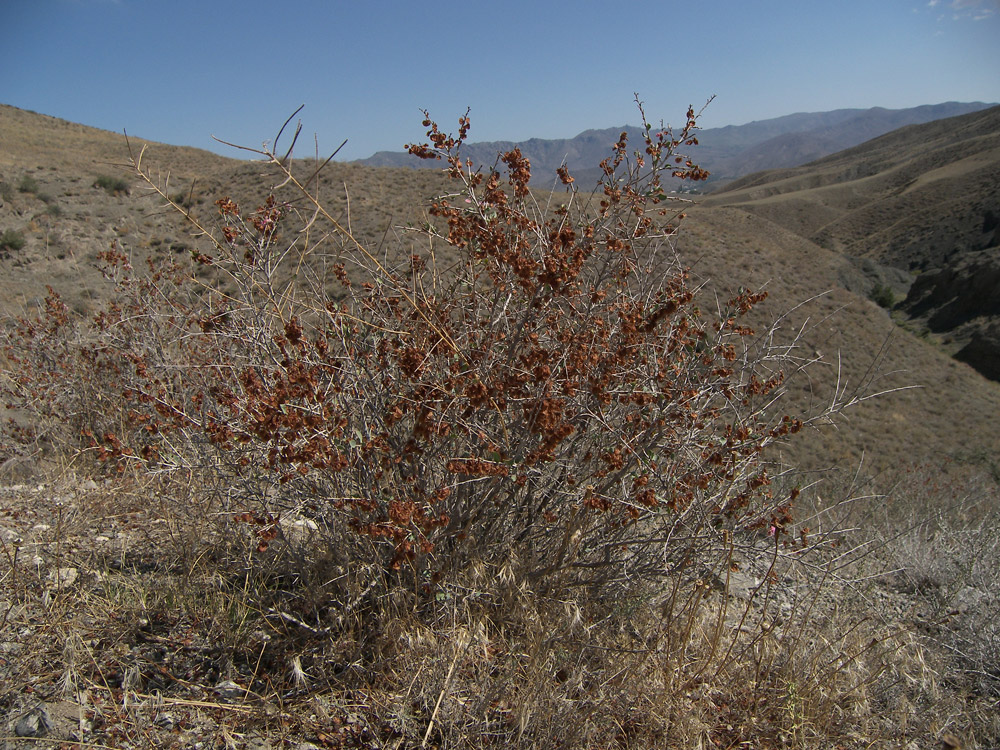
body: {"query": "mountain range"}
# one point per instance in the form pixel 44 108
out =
pixel 727 153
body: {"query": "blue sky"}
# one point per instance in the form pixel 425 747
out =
pixel 180 71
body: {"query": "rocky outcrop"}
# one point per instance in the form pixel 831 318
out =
pixel 983 351
pixel 951 297
pixel 962 302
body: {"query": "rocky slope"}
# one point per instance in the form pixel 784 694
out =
pixel 917 212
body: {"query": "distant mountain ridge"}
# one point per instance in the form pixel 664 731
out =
pixel 728 153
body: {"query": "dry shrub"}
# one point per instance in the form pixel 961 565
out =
pixel 556 400
pixel 509 481
pixel 940 534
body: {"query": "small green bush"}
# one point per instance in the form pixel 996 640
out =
pixel 181 199
pixel 883 296
pixel 112 185
pixel 11 240
pixel 28 184
pixel 6 191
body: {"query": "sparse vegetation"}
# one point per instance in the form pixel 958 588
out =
pixel 590 328
pixel 112 185
pixel 186 199
pixel 28 184
pixel 11 240
pixel 506 483
pixel 939 531
pixel 883 296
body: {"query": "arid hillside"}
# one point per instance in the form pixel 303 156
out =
pixel 915 212
pixel 529 484
pixel 911 199
pixel 51 199
pixel 949 413
pixel 820 233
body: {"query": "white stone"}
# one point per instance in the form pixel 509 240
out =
pixel 64 576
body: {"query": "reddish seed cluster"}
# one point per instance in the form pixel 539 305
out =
pixel 565 369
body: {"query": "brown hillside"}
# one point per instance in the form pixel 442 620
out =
pixel 762 238
pixel 907 199
pixel 65 220
pixel 258 519
pixel 921 200
pixel 950 413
